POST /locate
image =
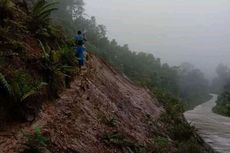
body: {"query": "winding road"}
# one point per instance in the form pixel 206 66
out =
pixel 213 128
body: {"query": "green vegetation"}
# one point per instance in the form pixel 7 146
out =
pixel 116 139
pixel 109 121
pixel 39 20
pixel 223 104
pixel 6 9
pixel 221 85
pixel 184 81
pixel 170 133
pixel 194 88
pixel 36 142
pixel 20 91
pixel 36 62
pixel 58 68
pixel 5 87
pixel 182 135
pixel 162 145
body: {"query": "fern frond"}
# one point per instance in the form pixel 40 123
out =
pixel 40 15
pixel 46 13
pixel 6 4
pixel 67 69
pixel 33 92
pixel 38 5
pixel 47 6
pixel 5 85
pixel 28 94
pixel 43 9
pixel 45 54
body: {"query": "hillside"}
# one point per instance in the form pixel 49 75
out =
pixel 99 102
pixel 102 112
pixel 49 105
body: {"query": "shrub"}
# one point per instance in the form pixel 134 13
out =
pixel 20 91
pixel 24 87
pixel 55 34
pixel 109 121
pixel 6 10
pixel 56 72
pixel 40 16
pixel 68 56
pixel 190 147
pixel 118 140
pixel 36 142
pixel 162 145
pixel 223 104
pixel 181 131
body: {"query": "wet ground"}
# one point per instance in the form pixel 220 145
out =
pixel 213 128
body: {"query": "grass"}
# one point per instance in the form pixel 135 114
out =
pixel 162 144
pixel 109 121
pixel 119 140
pixel 183 135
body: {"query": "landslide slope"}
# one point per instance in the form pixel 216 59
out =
pixel 102 112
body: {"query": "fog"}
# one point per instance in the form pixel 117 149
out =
pixel 176 31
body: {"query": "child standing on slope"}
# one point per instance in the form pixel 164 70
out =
pixel 80 41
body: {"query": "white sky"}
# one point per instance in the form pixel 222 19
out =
pixel 195 31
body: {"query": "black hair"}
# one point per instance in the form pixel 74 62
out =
pixel 79 32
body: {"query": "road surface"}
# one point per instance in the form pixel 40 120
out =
pixel 213 128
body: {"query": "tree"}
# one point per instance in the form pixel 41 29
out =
pixel 222 70
pixel 192 84
pixel 222 79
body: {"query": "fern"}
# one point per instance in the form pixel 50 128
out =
pixel 57 70
pixel 4 85
pixel 37 142
pixel 38 5
pixel 68 56
pixel 40 17
pixel 32 92
pixel 22 87
pixel 6 4
pixel 46 10
pixel 42 10
pixel 6 7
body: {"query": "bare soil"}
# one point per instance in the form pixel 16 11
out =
pixel 75 123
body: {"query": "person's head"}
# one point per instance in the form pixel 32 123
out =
pixel 79 32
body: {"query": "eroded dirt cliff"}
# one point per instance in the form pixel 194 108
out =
pixel 102 112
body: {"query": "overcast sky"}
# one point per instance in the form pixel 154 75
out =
pixel 195 31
